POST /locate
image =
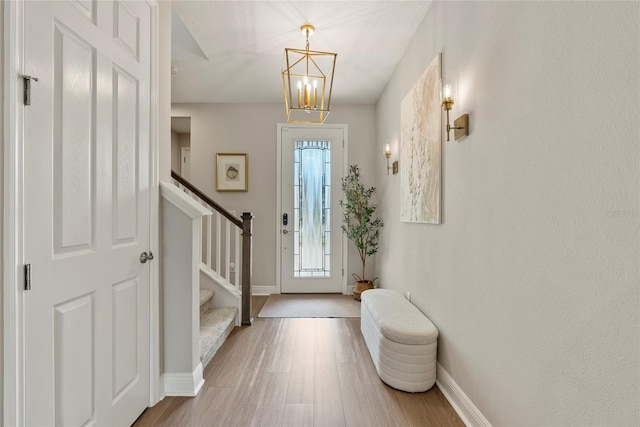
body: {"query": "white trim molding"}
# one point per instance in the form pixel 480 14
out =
pixel 468 412
pixel 12 337
pixel 183 384
pixel 155 384
pixel 264 290
pixel 182 201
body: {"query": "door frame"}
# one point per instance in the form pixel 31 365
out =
pixel 345 166
pixel 13 352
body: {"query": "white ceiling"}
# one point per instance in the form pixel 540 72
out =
pixel 231 51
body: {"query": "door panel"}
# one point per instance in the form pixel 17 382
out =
pixel 312 162
pixel 74 369
pixel 126 28
pixel 86 203
pixel 125 338
pixel 125 152
pixel 74 71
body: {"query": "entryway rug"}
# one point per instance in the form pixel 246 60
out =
pixel 310 305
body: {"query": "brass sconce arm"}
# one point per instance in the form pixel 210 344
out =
pixel 461 123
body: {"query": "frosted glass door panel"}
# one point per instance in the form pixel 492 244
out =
pixel 312 209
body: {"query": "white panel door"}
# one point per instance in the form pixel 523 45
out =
pixel 311 240
pixel 86 204
pixel 185 168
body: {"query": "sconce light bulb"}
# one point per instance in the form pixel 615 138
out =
pixel 447 91
pixel 387 149
pixel 315 84
pixel 299 84
pixel 306 80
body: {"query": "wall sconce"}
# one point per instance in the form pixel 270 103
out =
pixel 387 154
pixel 461 124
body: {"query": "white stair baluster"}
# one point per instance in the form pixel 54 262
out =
pixel 236 258
pixel 218 234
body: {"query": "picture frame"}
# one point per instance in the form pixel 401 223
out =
pixel 232 172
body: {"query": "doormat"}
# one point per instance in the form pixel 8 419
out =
pixel 310 305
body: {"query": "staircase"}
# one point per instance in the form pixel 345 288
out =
pixel 226 263
pixel 216 323
pixel 206 286
pixel 225 271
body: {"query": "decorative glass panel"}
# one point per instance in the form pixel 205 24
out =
pixel 312 193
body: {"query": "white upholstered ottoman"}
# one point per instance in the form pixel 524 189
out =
pixel 401 340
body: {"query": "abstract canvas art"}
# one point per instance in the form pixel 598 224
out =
pixel 420 149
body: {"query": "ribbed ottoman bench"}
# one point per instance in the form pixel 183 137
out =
pixel 401 340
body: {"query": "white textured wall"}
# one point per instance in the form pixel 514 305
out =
pixel 533 278
pixel 251 128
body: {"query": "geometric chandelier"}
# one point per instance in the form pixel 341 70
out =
pixel 307 82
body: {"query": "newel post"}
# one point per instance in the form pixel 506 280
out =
pixel 247 263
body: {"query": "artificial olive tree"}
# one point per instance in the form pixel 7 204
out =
pixel 359 222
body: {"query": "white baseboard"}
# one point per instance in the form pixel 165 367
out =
pixel 264 290
pixel 470 415
pixel 187 385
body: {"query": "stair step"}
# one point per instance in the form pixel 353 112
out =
pixel 205 295
pixel 215 326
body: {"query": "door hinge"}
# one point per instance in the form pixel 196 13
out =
pixel 27 277
pixel 343 272
pixel 27 88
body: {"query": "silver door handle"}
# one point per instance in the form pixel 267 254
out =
pixel 144 257
pixel 285 231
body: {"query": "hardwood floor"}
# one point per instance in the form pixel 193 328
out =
pixel 298 372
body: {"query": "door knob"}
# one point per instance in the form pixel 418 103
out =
pixel 285 231
pixel 144 257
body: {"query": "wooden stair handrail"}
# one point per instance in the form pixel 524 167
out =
pixel 207 199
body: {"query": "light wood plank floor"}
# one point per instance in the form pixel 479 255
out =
pixel 298 372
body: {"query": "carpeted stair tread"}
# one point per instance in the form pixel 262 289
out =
pixel 215 326
pixel 205 295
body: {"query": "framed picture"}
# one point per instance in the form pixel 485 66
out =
pixel 232 172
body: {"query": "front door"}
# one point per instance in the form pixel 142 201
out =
pixel 311 240
pixel 86 212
